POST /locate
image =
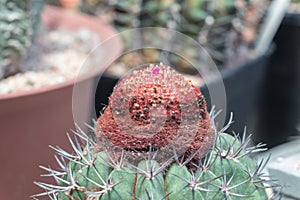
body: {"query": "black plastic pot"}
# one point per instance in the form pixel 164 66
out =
pixel 279 105
pixel 241 85
pixel 104 88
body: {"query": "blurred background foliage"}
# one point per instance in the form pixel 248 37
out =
pixel 227 29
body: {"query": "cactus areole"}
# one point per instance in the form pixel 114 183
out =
pixel 156 107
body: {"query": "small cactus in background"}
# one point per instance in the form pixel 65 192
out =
pixel 122 14
pixel 126 13
pixel 160 13
pixel 18 24
pixel 156 141
pixel 227 29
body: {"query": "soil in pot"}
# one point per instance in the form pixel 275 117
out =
pixel 55 57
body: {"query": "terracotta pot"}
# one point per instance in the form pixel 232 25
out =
pixel 30 121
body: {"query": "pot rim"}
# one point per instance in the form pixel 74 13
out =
pixel 250 62
pixel 291 19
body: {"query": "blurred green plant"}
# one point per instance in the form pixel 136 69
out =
pixel 227 29
pixel 19 21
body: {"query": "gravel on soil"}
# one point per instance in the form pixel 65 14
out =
pixel 55 57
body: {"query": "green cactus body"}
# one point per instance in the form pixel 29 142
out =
pixel 223 171
pixel 220 177
pixel 148 185
pixel 124 181
pixel 160 13
pixel 15 33
pixel 126 13
pixel 194 11
pixel 18 24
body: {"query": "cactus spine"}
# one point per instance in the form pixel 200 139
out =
pixel 226 172
pixel 212 166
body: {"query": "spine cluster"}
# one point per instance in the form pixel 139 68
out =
pixel 226 172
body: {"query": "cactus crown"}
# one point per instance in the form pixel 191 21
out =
pixel 18 23
pixel 222 169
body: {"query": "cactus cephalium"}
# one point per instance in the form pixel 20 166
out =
pixel 18 23
pixel 136 149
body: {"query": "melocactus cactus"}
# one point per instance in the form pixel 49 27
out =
pixel 199 162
